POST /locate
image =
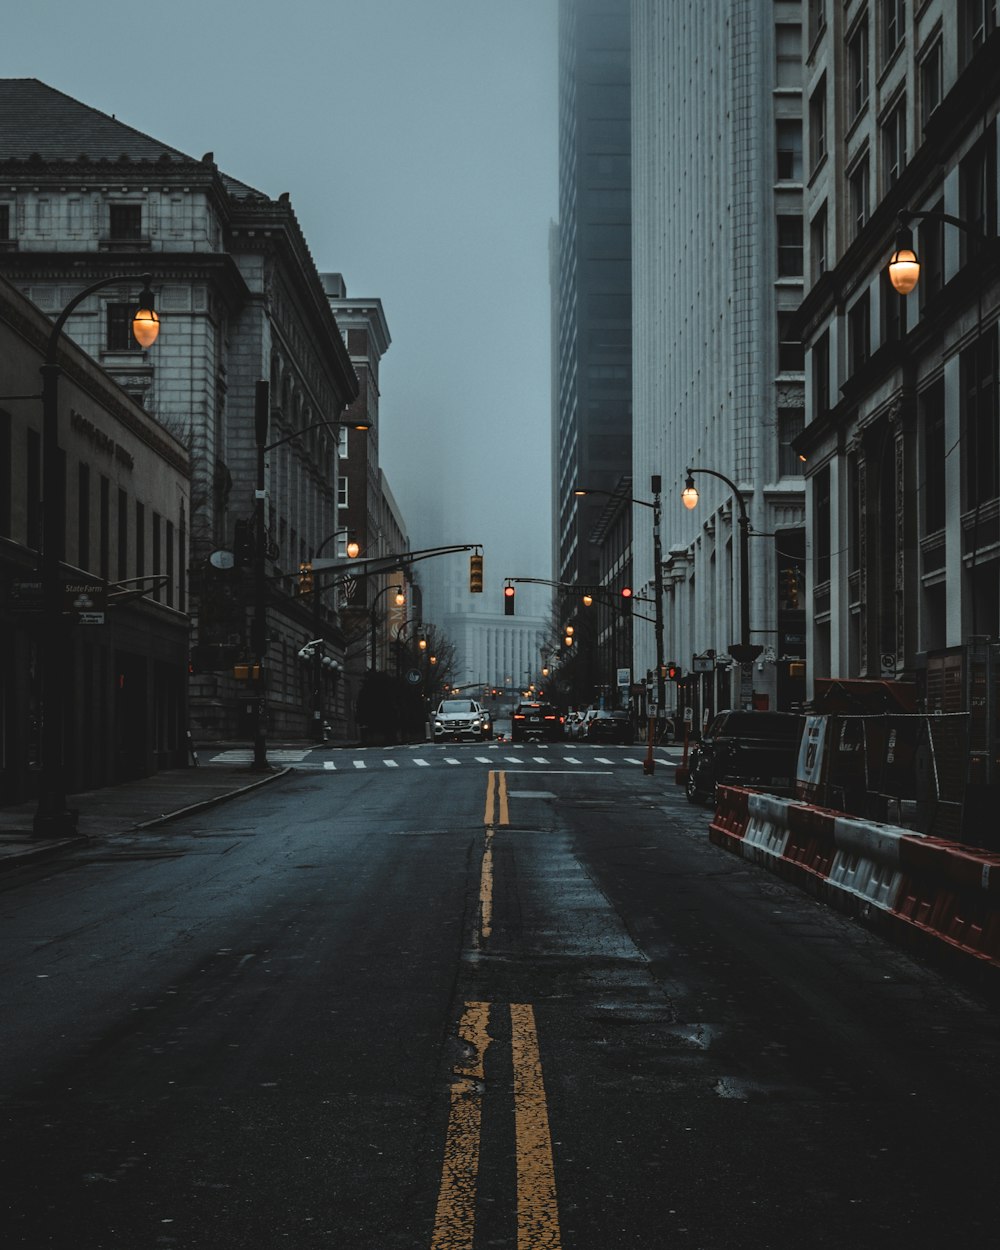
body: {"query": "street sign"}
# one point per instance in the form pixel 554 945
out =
pixel 624 678
pixel 702 664
pixel 413 676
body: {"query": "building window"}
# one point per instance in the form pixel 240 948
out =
pixel 104 565
pixel 893 146
pixel 821 375
pixel 6 464
pixel 817 126
pixel 817 245
pixel 83 516
pixel 817 19
pixel 157 556
pixel 33 490
pixel 789 149
pixel 978 192
pixel 788 47
pixel 857 70
pixel 933 468
pixel 4 221
pixel 122 536
pixel 893 27
pixel 169 570
pixel 791 423
pixel 979 420
pixel 342 491
pixel 976 23
pixel 821 525
pixel 125 221
pixel 857 193
pixel 790 247
pixel 120 337
pixel 931 236
pixel 859 333
pixel 931 76
pixel 140 539
pixel 791 354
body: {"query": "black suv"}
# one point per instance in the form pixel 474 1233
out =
pixel 757 749
pixel 536 722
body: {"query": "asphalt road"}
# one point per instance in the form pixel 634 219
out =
pixel 515 1000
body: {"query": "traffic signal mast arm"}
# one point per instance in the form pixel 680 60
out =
pixel 376 564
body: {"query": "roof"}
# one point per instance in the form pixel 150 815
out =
pixel 39 122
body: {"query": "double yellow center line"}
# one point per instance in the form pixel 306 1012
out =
pixel 537 1211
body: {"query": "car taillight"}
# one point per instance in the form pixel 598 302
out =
pixel 519 716
pixel 548 718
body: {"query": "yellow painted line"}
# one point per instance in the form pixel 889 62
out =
pixel 486 888
pixel 537 1212
pixel 455 1219
pixel 504 810
pixel 491 785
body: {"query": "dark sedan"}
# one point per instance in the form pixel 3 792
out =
pixel 610 727
pixel 758 749
pixel 536 722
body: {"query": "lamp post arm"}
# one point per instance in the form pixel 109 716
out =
pixel 77 300
pixel 744 552
pixel 906 217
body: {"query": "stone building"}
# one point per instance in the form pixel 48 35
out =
pixel 718 376
pixel 84 196
pixel 903 432
pixel 124 566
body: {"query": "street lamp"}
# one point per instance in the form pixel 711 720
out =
pixel 262 414
pixel 656 505
pixel 400 601
pixel 52 817
pixel 904 264
pixel 318 711
pixel 743 652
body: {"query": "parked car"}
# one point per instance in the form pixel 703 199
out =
pixel 457 718
pixel 757 749
pixel 486 716
pixel 536 721
pixel 610 727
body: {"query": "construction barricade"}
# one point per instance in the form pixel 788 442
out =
pixel 939 896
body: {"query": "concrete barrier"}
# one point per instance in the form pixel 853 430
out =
pixel 939 896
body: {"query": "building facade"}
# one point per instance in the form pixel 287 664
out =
pixel 903 425
pixel 591 269
pixel 124 563
pixel 718 376
pixel 84 196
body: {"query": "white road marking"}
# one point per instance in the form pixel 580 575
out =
pixel 360 764
pixel 422 763
pixel 329 764
pixel 391 763
pixel 448 760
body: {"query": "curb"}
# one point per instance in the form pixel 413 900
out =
pixel 13 860
pixel 213 802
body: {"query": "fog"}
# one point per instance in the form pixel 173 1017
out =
pixel 417 139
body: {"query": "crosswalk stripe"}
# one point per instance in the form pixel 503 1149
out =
pixel 422 763
pixel 451 761
pixel 360 764
pixel 329 764
pixel 482 759
pixel 391 763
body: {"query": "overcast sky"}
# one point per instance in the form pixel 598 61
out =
pixel 417 139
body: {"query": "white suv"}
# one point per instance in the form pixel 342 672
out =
pixel 458 718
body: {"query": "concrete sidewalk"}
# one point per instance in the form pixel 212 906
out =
pixel 132 805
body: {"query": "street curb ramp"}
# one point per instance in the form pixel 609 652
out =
pixel 938 897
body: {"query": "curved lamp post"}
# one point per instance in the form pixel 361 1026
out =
pixel 318 709
pixel 52 817
pixel 262 416
pixel 400 600
pixel 744 652
pixel 656 505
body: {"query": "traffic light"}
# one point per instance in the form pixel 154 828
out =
pixel 508 600
pixel 673 671
pixel 476 574
pixel 790 587
pixel 305 577
pixel 626 600
pixel 242 543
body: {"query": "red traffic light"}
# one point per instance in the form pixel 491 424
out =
pixel 626 592
pixel 508 600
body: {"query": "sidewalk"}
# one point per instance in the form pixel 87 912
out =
pixel 132 805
